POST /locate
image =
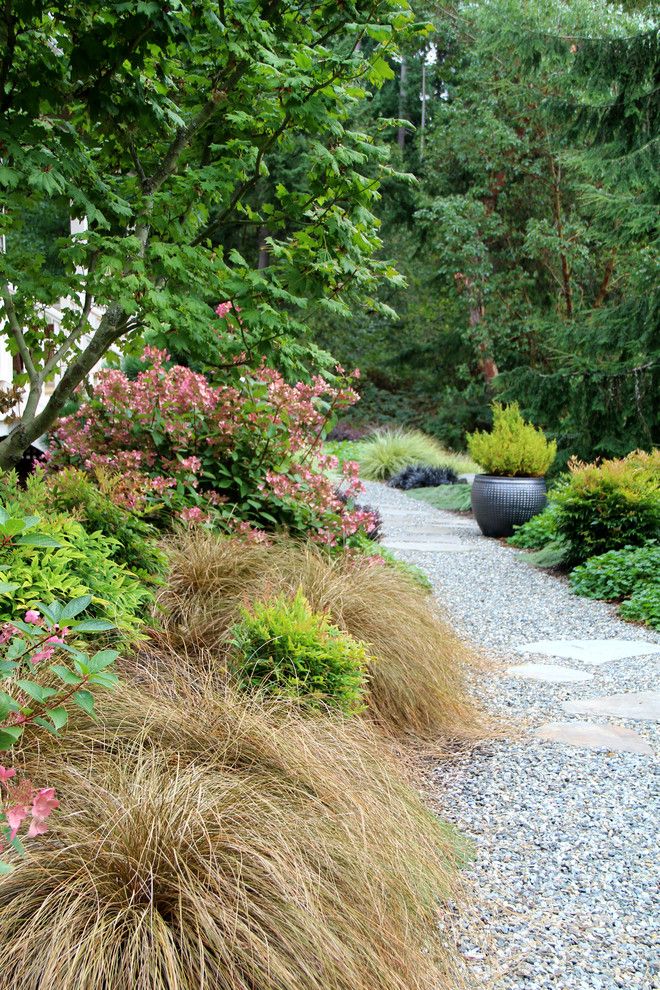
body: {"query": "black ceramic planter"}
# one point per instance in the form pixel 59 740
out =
pixel 499 504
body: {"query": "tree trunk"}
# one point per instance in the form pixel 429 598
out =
pixel 113 325
pixel 403 92
pixel 264 256
pixel 566 274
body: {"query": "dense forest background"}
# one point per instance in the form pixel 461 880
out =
pixel 525 226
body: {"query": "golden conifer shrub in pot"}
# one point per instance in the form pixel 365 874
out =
pixel 515 456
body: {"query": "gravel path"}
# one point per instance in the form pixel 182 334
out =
pixel 566 836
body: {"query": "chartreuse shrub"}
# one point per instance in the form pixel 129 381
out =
pixel 416 684
pixel 90 502
pixel 210 841
pixel 608 506
pixel 632 573
pixel 390 451
pixel 513 448
pixel 56 558
pixel 282 647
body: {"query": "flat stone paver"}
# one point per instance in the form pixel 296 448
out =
pixel 551 672
pixel 430 546
pixel 633 704
pixel 414 533
pixel 591 736
pixel 592 651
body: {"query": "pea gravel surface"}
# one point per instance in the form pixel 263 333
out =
pixel 565 877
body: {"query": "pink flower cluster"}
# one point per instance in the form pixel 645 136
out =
pixel 20 801
pixel 174 438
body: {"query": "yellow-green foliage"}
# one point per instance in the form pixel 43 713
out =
pixel 390 451
pixel 282 647
pixel 606 506
pixel 513 448
pixel 80 563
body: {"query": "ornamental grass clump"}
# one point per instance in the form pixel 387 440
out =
pixel 282 647
pixel 388 452
pixel 245 847
pixel 513 448
pixel 416 685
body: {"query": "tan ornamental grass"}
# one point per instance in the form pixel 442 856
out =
pixel 218 844
pixel 417 678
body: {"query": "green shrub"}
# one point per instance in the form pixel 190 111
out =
pixel 609 506
pixel 513 448
pixel 58 559
pixel 632 573
pixel 455 498
pixel 617 574
pixel 282 647
pixel 537 532
pixel 390 451
pixel 72 493
pixel 643 605
pixel 133 538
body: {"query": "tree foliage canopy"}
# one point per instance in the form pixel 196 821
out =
pixel 160 123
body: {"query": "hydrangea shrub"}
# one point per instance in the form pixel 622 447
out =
pixel 246 455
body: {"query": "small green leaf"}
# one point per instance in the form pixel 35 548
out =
pixel 104 679
pixel 102 659
pixel 36 691
pixel 94 625
pixel 76 606
pixel 9 735
pixel 59 717
pixel 85 700
pixel 6 587
pixel 45 724
pixel 64 673
pixel 37 540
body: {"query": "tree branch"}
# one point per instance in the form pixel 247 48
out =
pixel 114 324
pixel 17 333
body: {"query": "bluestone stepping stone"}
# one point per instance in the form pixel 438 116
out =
pixel 549 672
pixel 430 546
pixel 592 651
pixel 588 735
pixel 634 704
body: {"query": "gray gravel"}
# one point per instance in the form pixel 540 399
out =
pixel 565 875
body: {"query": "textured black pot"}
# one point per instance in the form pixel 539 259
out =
pixel 499 504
